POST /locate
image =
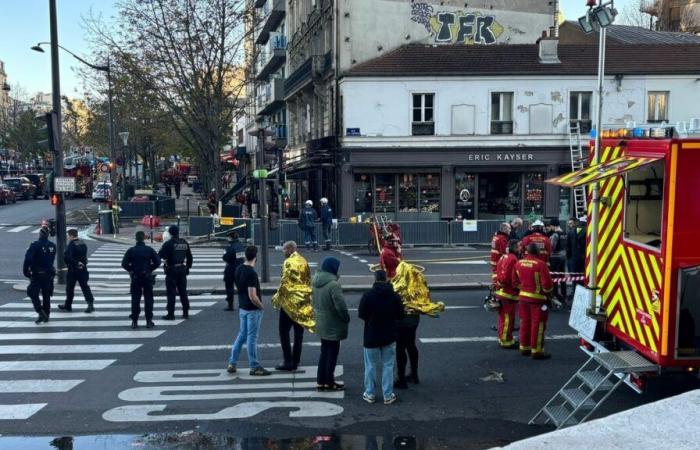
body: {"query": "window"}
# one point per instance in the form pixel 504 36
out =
pixel 408 193
pixel 644 204
pixel 423 123
pixel 429 193
pixel 465 185
pixel 534 193
pixel 580 110
pixel 501 113
pixel 657 107
pixel 363 193
pixel 499 195
pixel 385 193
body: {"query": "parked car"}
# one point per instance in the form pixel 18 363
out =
pixel 22 187
pixel 102 191
pixel 7 195
pixel 191 179
pixel 39 180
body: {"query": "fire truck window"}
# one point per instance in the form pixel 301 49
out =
pixel 689 313
pixel 644 204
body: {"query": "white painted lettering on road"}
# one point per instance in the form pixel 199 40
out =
pixel 172 393
pixel 555 337
pixel 195 375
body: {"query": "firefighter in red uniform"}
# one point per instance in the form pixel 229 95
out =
pixel 390 256
pixel 499 247
pixel 532 277
pixel 507 294
pixel 544 245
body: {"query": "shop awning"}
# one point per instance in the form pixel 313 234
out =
pixel 599 172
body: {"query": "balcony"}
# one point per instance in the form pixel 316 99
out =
pixel 273 98
pixel 314 68
pixel 259 3
pixel 280 135
pixel 272 14
pixel 275 55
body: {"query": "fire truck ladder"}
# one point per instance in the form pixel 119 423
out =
pixel 591 385
pixel 577 163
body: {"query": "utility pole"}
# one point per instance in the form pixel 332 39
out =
pixel 58 156
pixel 112 152
pixel 262 207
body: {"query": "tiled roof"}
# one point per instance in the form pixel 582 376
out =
pixel 626 34
pixel 466 60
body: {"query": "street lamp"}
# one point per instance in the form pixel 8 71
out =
pixel 597 17
pixel 126 157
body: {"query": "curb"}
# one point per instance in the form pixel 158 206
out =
pixel 102 238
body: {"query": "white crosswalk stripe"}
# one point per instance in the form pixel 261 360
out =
pixel 32 386
pixel 18 229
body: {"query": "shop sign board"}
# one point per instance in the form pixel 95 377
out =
pixel 469 225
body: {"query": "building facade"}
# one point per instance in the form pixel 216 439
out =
pixel 4 88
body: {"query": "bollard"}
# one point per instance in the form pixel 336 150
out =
pixel 151 226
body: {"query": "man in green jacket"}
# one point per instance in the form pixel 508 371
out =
pixel 332 318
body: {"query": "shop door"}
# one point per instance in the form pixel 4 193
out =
pixel 499 195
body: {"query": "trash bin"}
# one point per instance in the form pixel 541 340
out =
pixel 129 190
pixel 106 224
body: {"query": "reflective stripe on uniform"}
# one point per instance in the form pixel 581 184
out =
pixel 504 294
pixel 540 339
pixel 532 295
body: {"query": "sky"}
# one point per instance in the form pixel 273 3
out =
pixel 23 23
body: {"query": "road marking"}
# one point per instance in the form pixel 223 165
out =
pixel 20 412
pixel 364 261
pixel 101 306
pixel 157 297
pixel 19 228
pixel 125 276
pixel 79 323
pixel 458 263
pixel 75 315
pixel 32 386
pixel 66 364
pixel 487 339
pixel 161 393
pixel 67 335
pixel 196 375
pixel 192 348
pixel 66 349
pixel 160 271
pixel 36 231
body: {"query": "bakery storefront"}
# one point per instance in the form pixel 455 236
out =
pixel 493 184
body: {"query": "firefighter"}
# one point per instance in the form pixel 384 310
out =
pixel 140 261
pixel 76 260
pixel 532 277
pixel 307 223
pixel 177 262
pixel 499 246
pixel 326 223
pixel 234 257
pixel 390 257
pixel 544 245
pixel 38 267
pixel 507 294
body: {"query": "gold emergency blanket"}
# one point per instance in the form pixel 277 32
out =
pixel 412 287
pixel 294 293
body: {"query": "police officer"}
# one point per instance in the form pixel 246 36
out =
pixel 326 222
pixel 177 258
pixel 38 267
pixel 140 261
pixel 307 223
pixel 234 257
pixel 76 260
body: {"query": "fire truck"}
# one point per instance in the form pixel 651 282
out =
pixel 642 317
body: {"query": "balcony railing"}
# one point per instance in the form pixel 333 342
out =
pixel 273 12
pixel 273 56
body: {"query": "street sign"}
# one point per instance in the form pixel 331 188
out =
pixel 260 173
pixel 104 168
pixel 64 184
pixel 226 221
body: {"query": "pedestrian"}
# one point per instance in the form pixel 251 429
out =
pixel 507 294
pixel 557 262
pixel 332 318
pixel 211 202
pixel 531 276
pixel 406 349
pixel 168 188
pixel 307 223
pixel 499 247
pixel 250 312
pixel 326 223
pixel 38 267
pixel 516 228
pixel 293 298
pixel 177 181
pixel 380 308
pixel 575 251
pixel 234 257
pixel 177 258
pixel 140 261
pixel 538 237
pixel 76 259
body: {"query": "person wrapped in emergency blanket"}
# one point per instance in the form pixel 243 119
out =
pixel 412 287
pixel 294 293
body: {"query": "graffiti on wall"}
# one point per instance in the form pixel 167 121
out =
pixel 457 27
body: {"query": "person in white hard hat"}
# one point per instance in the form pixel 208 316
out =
pixel 540 239
pixel 307 223
pixel 326 223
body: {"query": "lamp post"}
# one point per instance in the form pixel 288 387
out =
pixel 597 18
pixel 124 135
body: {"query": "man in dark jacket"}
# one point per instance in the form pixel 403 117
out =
pixel 76 259
pixel 326 223
pixel 140 261
pixel 575 249
pixel 307 223
pixel 234 257
pixel 381 310
pixel 177 256
pixel 38 267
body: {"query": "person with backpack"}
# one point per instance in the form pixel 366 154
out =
pixel 557 262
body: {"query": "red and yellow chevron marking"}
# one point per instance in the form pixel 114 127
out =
pixel 629 278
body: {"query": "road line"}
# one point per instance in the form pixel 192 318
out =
pixel 19 228
pixel 36 231
pixel 197 375
pixel 66 349
pixel 102 306
pixel 20 412
pixel 81 315
pixel 195 269
pixel 195 348
pixel 65 364
pixel 68 335
pixel 125 276
pixel 160 393
pixel 487 339
pixel 364 261
pixel 35 386
pixel 80 323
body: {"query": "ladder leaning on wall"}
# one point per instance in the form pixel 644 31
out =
pixel 577 163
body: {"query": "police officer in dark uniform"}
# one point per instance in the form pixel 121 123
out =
pixel 234 257
pixel 177 258
pixel 76 260
pixel 140 261
pixel 38 267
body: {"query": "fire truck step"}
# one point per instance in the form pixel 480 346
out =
pixel 625 362
pixel 577 399
pixel 593 379
pixel 558 414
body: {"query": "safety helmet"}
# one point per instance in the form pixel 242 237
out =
pixel 324 201
pixel 491 303
pixel 538 223
pixel 308 203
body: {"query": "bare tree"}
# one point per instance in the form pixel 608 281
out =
pixel 640 13
pixel 690 18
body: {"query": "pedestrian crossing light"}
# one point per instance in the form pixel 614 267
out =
pixel 55 199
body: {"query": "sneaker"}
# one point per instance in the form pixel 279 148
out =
pixel 169 317
pixel 525 351
pixel 284 368
pixel 260 372
pixel 369 398
pixel 185 314
pixel 150 324
pixel 510 346
pixel 134 324
pixel 335 387
pixel 90 308
pixel 321 388
pixel 392 399
pixel 65 308
pixel 541 355
pixel 231 368
pixel 42 318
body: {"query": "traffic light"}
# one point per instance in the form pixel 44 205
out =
pixel 49 130
pixel 55 199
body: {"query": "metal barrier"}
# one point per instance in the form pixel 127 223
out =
pixel 200 226
pixel 137 209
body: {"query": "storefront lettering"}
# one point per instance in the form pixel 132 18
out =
pixel 501 157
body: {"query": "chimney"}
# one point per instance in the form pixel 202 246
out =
pixel 548 49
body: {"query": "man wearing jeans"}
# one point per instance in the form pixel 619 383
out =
pixel 250 312
pixel 381 309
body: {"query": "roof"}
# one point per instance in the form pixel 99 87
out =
pixel 465 60
pixel 627 34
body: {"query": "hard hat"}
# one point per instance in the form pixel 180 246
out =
pixel 491 303
pixel 324 201
pixel 538 223
pixel 582 219
pixel 309 203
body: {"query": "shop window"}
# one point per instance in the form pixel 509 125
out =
pixel 501 113
pixel 423 123
pixel 385 193
pixel 465 185
pixel 429 193
pixel 499 195
pixel 534 194
pixel 580 110
pixel 644 204
pixel 408 192
pixel 363 193
pixel 657 107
